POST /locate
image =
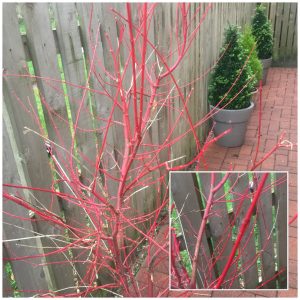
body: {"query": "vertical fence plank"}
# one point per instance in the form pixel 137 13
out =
pixel 281 211
pixel 218 223
pixel 277 30
pixel 291 29
pixel 31 146
pixel 90 16
pixel 43 51
pixel 295 42
pixel 188 206
pixel 284 31
pixel 89 27
pixel 40 177
pixel 272 15
pixel 88 30
pixel 247 248
pixel 265 225
pixel 74 68
pixel 29 280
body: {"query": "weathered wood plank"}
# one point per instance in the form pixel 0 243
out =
pixel 188 206
pixel 88 30
pixel 265 225
pixel 282 227
pixel 284 31
pixel 29 280
pixel 42 48
pixel 291 29
pixel 241 204
pixel 74 71
pixel 220 230
pixel 103 104
pixel 272 15
pixel 277 30
pixel 98 25
pixel 31 146
pixel 295 41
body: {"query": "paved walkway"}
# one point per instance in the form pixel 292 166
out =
pixel 279 114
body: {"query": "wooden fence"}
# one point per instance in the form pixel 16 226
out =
pixel 263 249
pixel 283 17
pixel 35 33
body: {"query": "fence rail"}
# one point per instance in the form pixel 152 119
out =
pixel 262 252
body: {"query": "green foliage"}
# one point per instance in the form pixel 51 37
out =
pixel 185 258
pixel 248 43
pixel 262 32
pixel 186 261
pixel 11 279
pixel 175 221
pixel 226 73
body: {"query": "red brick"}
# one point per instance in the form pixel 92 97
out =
pixel 267 165
pixel 283 151
pixel 276 116
pixel 241 160
pixel 284 124
pixel 288 293
pixel 246 150
pixel 240 168
pixel 265 293
pixel 293 181
pixel 232 294
pixel 293 248
pixel 293 208
pixel 201 294
pixel 215 167
pixel 251 133
pixel 281 160
pixel 293 156
pixel 292 280
pixel 274 125
pixel 269 144
pixel 293 193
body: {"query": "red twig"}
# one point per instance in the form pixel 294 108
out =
pixel 242 231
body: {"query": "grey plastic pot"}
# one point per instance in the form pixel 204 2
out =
pixel 266 63
pixel 235 119
pixel 254 96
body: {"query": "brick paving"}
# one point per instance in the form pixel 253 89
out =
pixel 279 113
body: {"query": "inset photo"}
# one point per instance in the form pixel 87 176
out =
pixel 228 230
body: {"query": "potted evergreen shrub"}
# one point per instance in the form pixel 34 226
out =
pixel 262 32
pixel 230 88
pixel 249 45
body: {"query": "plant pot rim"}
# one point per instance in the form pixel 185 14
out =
pixel 254 92
pixel 266 58
pixel 241 109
